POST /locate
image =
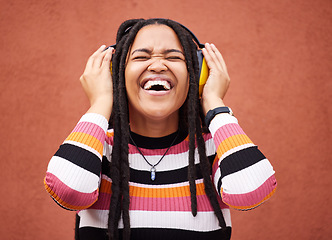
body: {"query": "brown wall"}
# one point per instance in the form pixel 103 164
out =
pixel 279 58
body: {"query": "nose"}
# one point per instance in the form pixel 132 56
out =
pixel 157 65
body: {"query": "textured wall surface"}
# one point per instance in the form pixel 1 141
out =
pixel 279 58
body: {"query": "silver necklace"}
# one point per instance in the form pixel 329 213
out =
pixel 153 166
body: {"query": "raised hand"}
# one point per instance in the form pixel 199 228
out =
pixel 218 81
pixel 97 83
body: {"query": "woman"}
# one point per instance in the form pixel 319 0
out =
pixel 155 172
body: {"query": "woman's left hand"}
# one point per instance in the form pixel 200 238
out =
pixel 218 81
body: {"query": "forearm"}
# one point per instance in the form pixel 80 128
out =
pixel 242 174
pixel 73 173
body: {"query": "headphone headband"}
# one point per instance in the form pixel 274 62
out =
pixel 200 45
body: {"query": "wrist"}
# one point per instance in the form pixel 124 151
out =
pixel 211 103
pixel 102 106
pixel 213 112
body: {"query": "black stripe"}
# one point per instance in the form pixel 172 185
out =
pixel 80 157
pixel 240 160
pixel 166 177
pixel 77 225
pixel 106 167
pixel 211 159
pixel 88 233
pixel 158 143
pixel 219 186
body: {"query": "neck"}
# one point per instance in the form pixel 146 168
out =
pixel 154 127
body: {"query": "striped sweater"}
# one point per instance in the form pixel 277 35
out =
pixel 77 179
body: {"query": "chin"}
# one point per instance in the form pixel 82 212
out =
pixel 160 114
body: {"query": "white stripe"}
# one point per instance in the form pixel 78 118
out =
pixel 182 184
pixel 86 147
pixel 95 118
pixel 248 179
pixel 73 176
pixel 220 120
pixel 217 175
pixel 170 161
pixel 226 154
pixel 107 150
pixel 93 218
pixel 204 221
pixel 210 147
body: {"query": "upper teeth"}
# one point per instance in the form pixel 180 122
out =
pixel 149 84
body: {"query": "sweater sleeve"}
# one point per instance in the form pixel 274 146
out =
pixel 241 173
pixel 73 174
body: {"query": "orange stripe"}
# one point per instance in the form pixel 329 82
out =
pixel 255 205
pixel 232 142
pixel 182 191
pixel 63 203
pixel 86 139
pixel 105 186
pixel 110 134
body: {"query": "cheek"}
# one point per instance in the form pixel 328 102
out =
pixel 133 71
pixel 132 74
pixel 183 79
pixel 183 91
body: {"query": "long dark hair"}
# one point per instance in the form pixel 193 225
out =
pixel 189 119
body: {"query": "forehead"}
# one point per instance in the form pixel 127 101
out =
pixel 156 36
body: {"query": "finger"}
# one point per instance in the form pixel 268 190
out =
pixel 217 58
pixel 209 60
pixel 211 51
pixel 220 58
pixel 107 59
pixel 92 58
pixel 99 56
pixel 108 55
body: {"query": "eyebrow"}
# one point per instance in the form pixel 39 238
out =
pixel 145 50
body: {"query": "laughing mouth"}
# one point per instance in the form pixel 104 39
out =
pixel 157 85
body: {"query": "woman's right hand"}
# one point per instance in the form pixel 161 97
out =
pixel 97 82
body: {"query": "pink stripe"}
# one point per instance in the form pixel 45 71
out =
pixel 91 129
pixel 103 202
pixel 251 198
pixel 207 136
pixel 182 147
pixel 227 131
pixel 68 196
pixel 110 140
pixel 176 149
pixel 171 204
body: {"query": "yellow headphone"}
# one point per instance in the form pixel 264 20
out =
pixel 203 71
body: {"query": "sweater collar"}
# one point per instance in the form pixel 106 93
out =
pixel 157 143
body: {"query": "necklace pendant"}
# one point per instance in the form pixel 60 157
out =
pixel 153 173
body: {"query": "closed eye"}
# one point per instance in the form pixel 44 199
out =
pixel 141 58
pixel 174 58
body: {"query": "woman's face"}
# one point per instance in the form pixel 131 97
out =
pixel 156 75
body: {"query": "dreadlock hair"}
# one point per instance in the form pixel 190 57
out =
pixel 189 118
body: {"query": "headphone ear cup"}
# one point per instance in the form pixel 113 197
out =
pixel 203 71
